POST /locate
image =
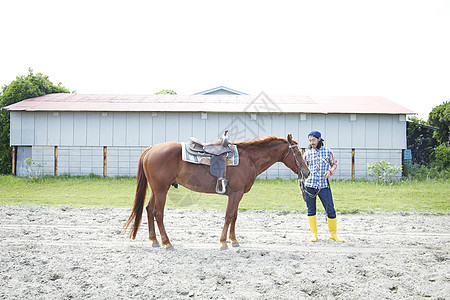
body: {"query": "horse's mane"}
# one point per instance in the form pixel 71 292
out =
pixel 256 143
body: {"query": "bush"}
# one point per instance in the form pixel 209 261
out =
pixel 441 157
pixel 419 172
pixel 33 170
pixel 383 170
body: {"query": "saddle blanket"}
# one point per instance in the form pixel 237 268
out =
pixel 232 160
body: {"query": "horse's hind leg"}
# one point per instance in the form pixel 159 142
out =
pixel 151 221
pixel 160 202
pixel 232 235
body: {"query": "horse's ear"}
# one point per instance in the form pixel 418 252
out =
pixel 289 137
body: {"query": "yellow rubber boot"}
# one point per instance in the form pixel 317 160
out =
pixel 332 226
pixel 313 225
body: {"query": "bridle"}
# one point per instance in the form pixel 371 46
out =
pixel 297 163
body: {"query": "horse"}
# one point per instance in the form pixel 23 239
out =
pixel 161 166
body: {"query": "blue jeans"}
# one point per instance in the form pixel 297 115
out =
pixel 326 198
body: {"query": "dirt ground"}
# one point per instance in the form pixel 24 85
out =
pixel 64 253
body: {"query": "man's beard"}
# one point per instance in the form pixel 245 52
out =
pixel 319 144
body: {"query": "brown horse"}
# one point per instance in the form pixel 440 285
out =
pixel 161 166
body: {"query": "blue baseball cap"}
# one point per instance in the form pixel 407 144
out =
pixel 315 134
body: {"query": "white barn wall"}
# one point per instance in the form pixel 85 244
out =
pixel 16 128
pixel 81 137
pixel 93 129
pixel 54 129
pixel 27 128
pixel 41 127
pixel 145 129
pixel 67 132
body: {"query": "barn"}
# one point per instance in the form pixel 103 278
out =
pixel 81 134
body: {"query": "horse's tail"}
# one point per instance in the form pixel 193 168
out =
pixel 139 199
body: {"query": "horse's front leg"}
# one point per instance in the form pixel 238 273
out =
pixel 230 215
pixel 232 235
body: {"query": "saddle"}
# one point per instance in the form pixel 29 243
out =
pixel 219 147
pixel 218 152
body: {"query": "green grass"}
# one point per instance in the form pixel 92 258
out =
pixel 349 196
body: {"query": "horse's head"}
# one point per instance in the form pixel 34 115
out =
pixel 294 159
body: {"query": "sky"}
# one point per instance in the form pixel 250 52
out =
pixel 398 49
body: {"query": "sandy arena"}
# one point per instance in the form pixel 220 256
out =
pixel 75 253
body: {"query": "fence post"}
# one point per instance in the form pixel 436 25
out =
pixel 104 161
pixel 403 162
pixel 353 164
pixel 14 160
pixel 56 160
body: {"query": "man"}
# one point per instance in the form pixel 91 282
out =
pixel 322 164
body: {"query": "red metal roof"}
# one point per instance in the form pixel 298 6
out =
pixel 210 103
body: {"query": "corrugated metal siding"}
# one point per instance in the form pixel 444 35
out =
pixel 16 128
pixel 67 131
pixel 27 128
pixel 93 129
pixel 159 128
pixel 54 128
pixel 133 129
pixel 106 129
pixel 119 129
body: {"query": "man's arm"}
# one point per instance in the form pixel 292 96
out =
pixel 333 165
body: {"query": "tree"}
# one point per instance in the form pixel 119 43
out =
pixel 166 92
pixel 22 88
pixel 440 118
pixel 420 140
pixel 441 157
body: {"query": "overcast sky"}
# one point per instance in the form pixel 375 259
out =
pixel 399 49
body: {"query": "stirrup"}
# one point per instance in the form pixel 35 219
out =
pixel 221 186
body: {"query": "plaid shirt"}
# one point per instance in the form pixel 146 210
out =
pixel 319 162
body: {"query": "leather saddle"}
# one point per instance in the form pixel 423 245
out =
pixel 218 151
pixel 219 147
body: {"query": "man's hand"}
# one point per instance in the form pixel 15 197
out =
pixel 327 174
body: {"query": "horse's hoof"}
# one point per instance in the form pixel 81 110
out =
pixel 169 247
pixel 224 247
pixel 156 245
pixel 235 244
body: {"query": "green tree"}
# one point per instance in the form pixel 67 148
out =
pixel 22 88
pixel 440 118
pixel 420 140
pixel 441 157
pixel 166 92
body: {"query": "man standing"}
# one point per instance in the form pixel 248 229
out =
pixel 322 164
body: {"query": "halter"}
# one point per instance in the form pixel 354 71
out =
pixel 297 163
